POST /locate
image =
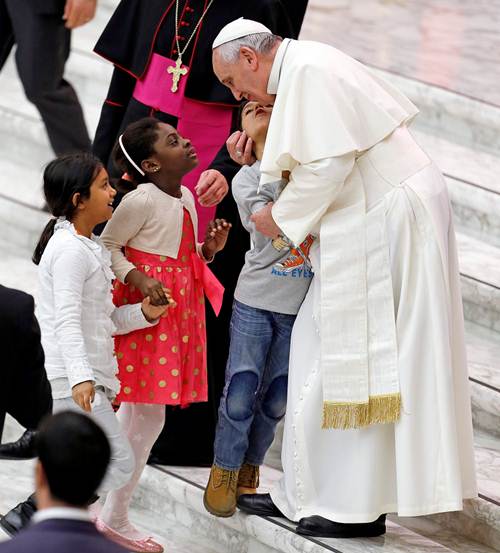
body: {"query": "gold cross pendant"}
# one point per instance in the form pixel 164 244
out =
pixel 176 72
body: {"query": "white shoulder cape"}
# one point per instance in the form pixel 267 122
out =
pixel 327 105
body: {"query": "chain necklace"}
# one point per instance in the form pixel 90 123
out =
pixel 178 71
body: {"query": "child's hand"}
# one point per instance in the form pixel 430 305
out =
pixel 149 287
pixel 83 395
pixel 215 238
pixel 152 312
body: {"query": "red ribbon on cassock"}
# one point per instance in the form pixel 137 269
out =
pixel 211 286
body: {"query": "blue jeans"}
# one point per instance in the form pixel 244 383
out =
pixel 254 397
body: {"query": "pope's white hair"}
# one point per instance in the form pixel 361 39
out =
pixel 262 43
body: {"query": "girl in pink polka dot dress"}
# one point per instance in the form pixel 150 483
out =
pixel 153 247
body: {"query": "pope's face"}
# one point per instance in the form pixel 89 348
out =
pixel 246 77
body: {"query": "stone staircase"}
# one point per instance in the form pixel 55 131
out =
pixel 463 136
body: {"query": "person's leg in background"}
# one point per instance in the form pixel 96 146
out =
pixel 43 46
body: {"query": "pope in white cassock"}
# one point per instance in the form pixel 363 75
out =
pixel 378 417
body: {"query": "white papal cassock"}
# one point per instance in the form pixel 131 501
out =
pixel 386 282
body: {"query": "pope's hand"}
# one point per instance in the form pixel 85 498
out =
pixel 264 222
pixel 239 145
pixel 78 12
pixel 212 187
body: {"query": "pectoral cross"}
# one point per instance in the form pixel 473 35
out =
pixel 177 72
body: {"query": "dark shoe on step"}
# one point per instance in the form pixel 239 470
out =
pixel 258 504
pixel 323 528
pixel 19 517
pixel 24 448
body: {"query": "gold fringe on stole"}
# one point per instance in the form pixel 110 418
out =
pixel 378 410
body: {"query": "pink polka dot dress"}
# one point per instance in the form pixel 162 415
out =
pixel 166 363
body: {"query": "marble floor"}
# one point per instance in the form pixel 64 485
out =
pixel 452 44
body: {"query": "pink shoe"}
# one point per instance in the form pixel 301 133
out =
pixel 145 544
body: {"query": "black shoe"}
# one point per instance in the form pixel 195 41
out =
pixel 258 504
pixel 323 528
pixel 19 517
pixel 24 448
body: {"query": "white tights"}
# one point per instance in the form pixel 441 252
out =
pixel 142 423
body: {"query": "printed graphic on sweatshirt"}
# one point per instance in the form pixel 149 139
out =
pixel 297 263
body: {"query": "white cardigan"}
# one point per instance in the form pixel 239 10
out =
pixel 76 313
pixel 148 220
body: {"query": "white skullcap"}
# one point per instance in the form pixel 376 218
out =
pixel 237 29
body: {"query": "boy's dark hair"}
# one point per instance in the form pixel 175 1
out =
pixel 138 139
pixel 64 177
pixel 74 453
pixel 240 114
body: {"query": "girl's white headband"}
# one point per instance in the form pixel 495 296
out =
pixel 134 164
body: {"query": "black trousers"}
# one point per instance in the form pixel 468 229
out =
pixel 43 46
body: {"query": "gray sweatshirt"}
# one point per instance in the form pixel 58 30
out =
pixel 270 279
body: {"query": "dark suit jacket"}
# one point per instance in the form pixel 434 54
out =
pixel 60 536
pixel 24 389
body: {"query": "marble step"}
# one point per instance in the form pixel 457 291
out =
pixel 483 354
pixel 473 179
pixel 467 120
pixel 480 517
pixel 470 122
pixel 168 504
pixel 177 493
pixel 480 278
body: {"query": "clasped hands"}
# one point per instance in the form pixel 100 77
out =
pixel 157 298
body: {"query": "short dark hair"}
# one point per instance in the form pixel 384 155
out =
pixel 241 108
pixel 74 453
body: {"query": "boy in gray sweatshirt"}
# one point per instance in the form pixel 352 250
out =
pixel 270 290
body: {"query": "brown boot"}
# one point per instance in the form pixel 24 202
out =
pixel 248 479
pixel 220 494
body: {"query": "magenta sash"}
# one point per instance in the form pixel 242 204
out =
pixel 211 286
pixel 206 125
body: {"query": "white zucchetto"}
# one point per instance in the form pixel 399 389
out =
pixel 237 29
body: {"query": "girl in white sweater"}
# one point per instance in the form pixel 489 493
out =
pixel 76 313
